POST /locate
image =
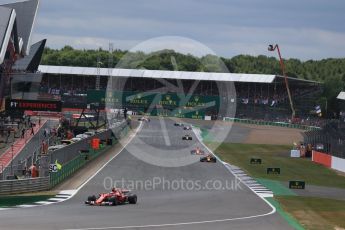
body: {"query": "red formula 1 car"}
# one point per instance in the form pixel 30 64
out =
pixel 197 151
pixel 115 197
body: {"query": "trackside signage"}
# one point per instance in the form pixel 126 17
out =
pixel 273 170
pixel 33 105
pixel 255 161
pixel 297 184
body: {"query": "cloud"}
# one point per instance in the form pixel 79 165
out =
pixel 303 30
pixel 81 42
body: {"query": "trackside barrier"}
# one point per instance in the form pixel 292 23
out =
pixel 322 158
pixel 338 164
pixel 270 123
pixel 80 160
pixel 329 161
pixel 8 187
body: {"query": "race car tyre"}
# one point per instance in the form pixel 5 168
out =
pixel 92 198
pixel 113 200
pixel 132 199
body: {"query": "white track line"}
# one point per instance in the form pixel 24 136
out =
pixel 172 225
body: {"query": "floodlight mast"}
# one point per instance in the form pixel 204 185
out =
pixel 272 48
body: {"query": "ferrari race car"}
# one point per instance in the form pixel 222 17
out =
pixel 115 197
pixel 187 137
pixel 178 124
pixel 208 158
pixel 187 128
pixel 197 151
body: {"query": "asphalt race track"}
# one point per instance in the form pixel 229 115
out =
pixel 170 205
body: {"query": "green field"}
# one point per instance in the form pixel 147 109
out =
pixel 315 213
pixel 278 156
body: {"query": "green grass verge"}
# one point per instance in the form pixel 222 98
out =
pixel 278 156
pixel 315 213
pixel 10 201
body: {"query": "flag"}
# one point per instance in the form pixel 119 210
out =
pixel 245 100
pixel 317 109
pixel 59 166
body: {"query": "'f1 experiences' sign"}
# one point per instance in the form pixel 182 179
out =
pixel 33 105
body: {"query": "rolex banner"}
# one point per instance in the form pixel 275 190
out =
pixel 157 104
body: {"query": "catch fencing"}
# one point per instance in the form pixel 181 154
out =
pixel 271 123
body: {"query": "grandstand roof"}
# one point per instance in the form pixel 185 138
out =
pixel 143 73
pixel 183 75
pixel 341 96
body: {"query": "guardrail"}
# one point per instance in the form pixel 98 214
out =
pixel 81 159
pixel 24 185
pixel 270 123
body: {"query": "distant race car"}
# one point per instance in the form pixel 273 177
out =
pixel 187 128
pixel 197 151
pixel 113 198
pixel 209 158
pixel 178 124
pixel 146 119
pixel 187 137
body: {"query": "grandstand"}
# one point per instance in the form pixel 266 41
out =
pixel 258 96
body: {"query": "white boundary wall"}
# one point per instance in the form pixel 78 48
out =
pixel 338 164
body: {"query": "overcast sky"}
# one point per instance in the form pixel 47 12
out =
pixel 303 29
